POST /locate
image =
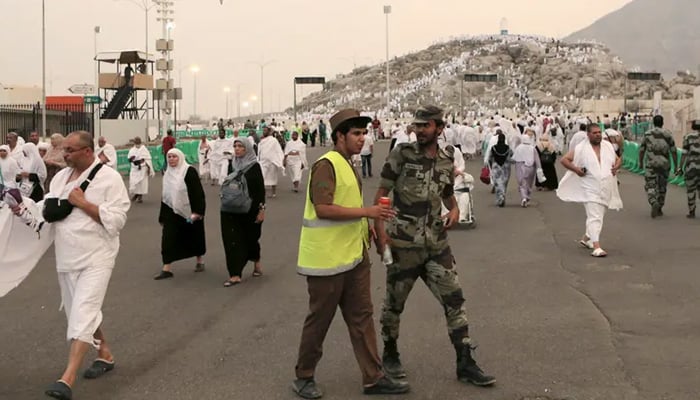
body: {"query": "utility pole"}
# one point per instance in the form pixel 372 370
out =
pixel 43 68
pixel 387 11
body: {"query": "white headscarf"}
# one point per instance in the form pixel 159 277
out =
pixel 32 162
pixel 9 168
pixel 174 187
pixel 525 152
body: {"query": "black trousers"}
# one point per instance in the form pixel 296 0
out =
pixel 241 237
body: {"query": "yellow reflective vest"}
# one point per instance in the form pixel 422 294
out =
pixel 329 247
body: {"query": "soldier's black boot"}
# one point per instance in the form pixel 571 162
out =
pixel 691 214
pixel 467 370
pixel 391 360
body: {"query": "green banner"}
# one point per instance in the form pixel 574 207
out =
pixel 630 161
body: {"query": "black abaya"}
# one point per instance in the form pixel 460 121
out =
pixel 182 239
pixel 239 232
pixel 548 161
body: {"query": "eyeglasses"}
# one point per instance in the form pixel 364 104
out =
pixel 68 150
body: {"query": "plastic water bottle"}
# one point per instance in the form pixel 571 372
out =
pixel 387 258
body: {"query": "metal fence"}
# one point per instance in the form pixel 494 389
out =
pixel 63 118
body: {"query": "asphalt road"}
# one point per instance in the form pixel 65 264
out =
pixel 551 322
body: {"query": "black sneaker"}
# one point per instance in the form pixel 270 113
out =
pixel 386 385
pixel 306 389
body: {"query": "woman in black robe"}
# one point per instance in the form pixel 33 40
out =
pixel 241 232
pixel 181 215
pixel 548 159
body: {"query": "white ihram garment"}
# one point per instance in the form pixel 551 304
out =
pixel 21 247
pixel 85 249
pixel 597 189
pixel 271 160
pixel 109 152
pixel 138 177
pixel 216 157
pixel 203 152
pixel 295 162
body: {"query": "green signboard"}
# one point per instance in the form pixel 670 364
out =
pixel 92 100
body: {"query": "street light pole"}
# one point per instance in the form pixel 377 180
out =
pixel 262 64
pixel 238 102
pixel 387 11
pixel 195 70
pixel 227 90
pixel 43 68
pixel 96 124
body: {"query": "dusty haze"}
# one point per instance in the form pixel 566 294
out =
pixel 304 37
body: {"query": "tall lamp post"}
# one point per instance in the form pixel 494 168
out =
pixel 387 11
pixel 262 64
pixel 195 70
pixel 43 68
pixel 238 100
pixel 227 90
pixel 253 99
pixel 96 124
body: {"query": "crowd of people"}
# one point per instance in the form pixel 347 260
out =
pixel 82 205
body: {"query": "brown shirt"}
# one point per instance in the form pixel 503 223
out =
pixel 322 185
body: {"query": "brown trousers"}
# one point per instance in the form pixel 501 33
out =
pixel 351 292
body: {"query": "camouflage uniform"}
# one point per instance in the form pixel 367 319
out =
pixel 658 144
pixel 691 150
pixel 419 240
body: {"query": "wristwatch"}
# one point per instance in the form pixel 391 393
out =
pixel 261 207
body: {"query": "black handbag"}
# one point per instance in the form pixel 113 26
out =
pixel 56 209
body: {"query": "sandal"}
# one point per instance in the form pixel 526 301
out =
pixel 230 283
pixel 59 390
pixel 257 273
pixel 586 243
pixel 199 267
pixel 98 368
pixel 599 253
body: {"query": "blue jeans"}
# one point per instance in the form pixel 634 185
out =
pixel 366 165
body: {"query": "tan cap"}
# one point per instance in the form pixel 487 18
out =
pixel 346 115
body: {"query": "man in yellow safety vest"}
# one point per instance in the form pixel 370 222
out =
pixel 333 256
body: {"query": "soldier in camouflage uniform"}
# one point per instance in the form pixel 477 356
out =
pixel 657 145
pixel 690 165
pixel 421 177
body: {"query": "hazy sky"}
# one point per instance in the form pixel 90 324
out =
pixel 303 37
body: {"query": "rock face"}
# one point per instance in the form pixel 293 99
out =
pixel 652 34
pixel 533 72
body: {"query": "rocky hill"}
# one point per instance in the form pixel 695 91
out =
pixel 652 34
pixel 533 72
